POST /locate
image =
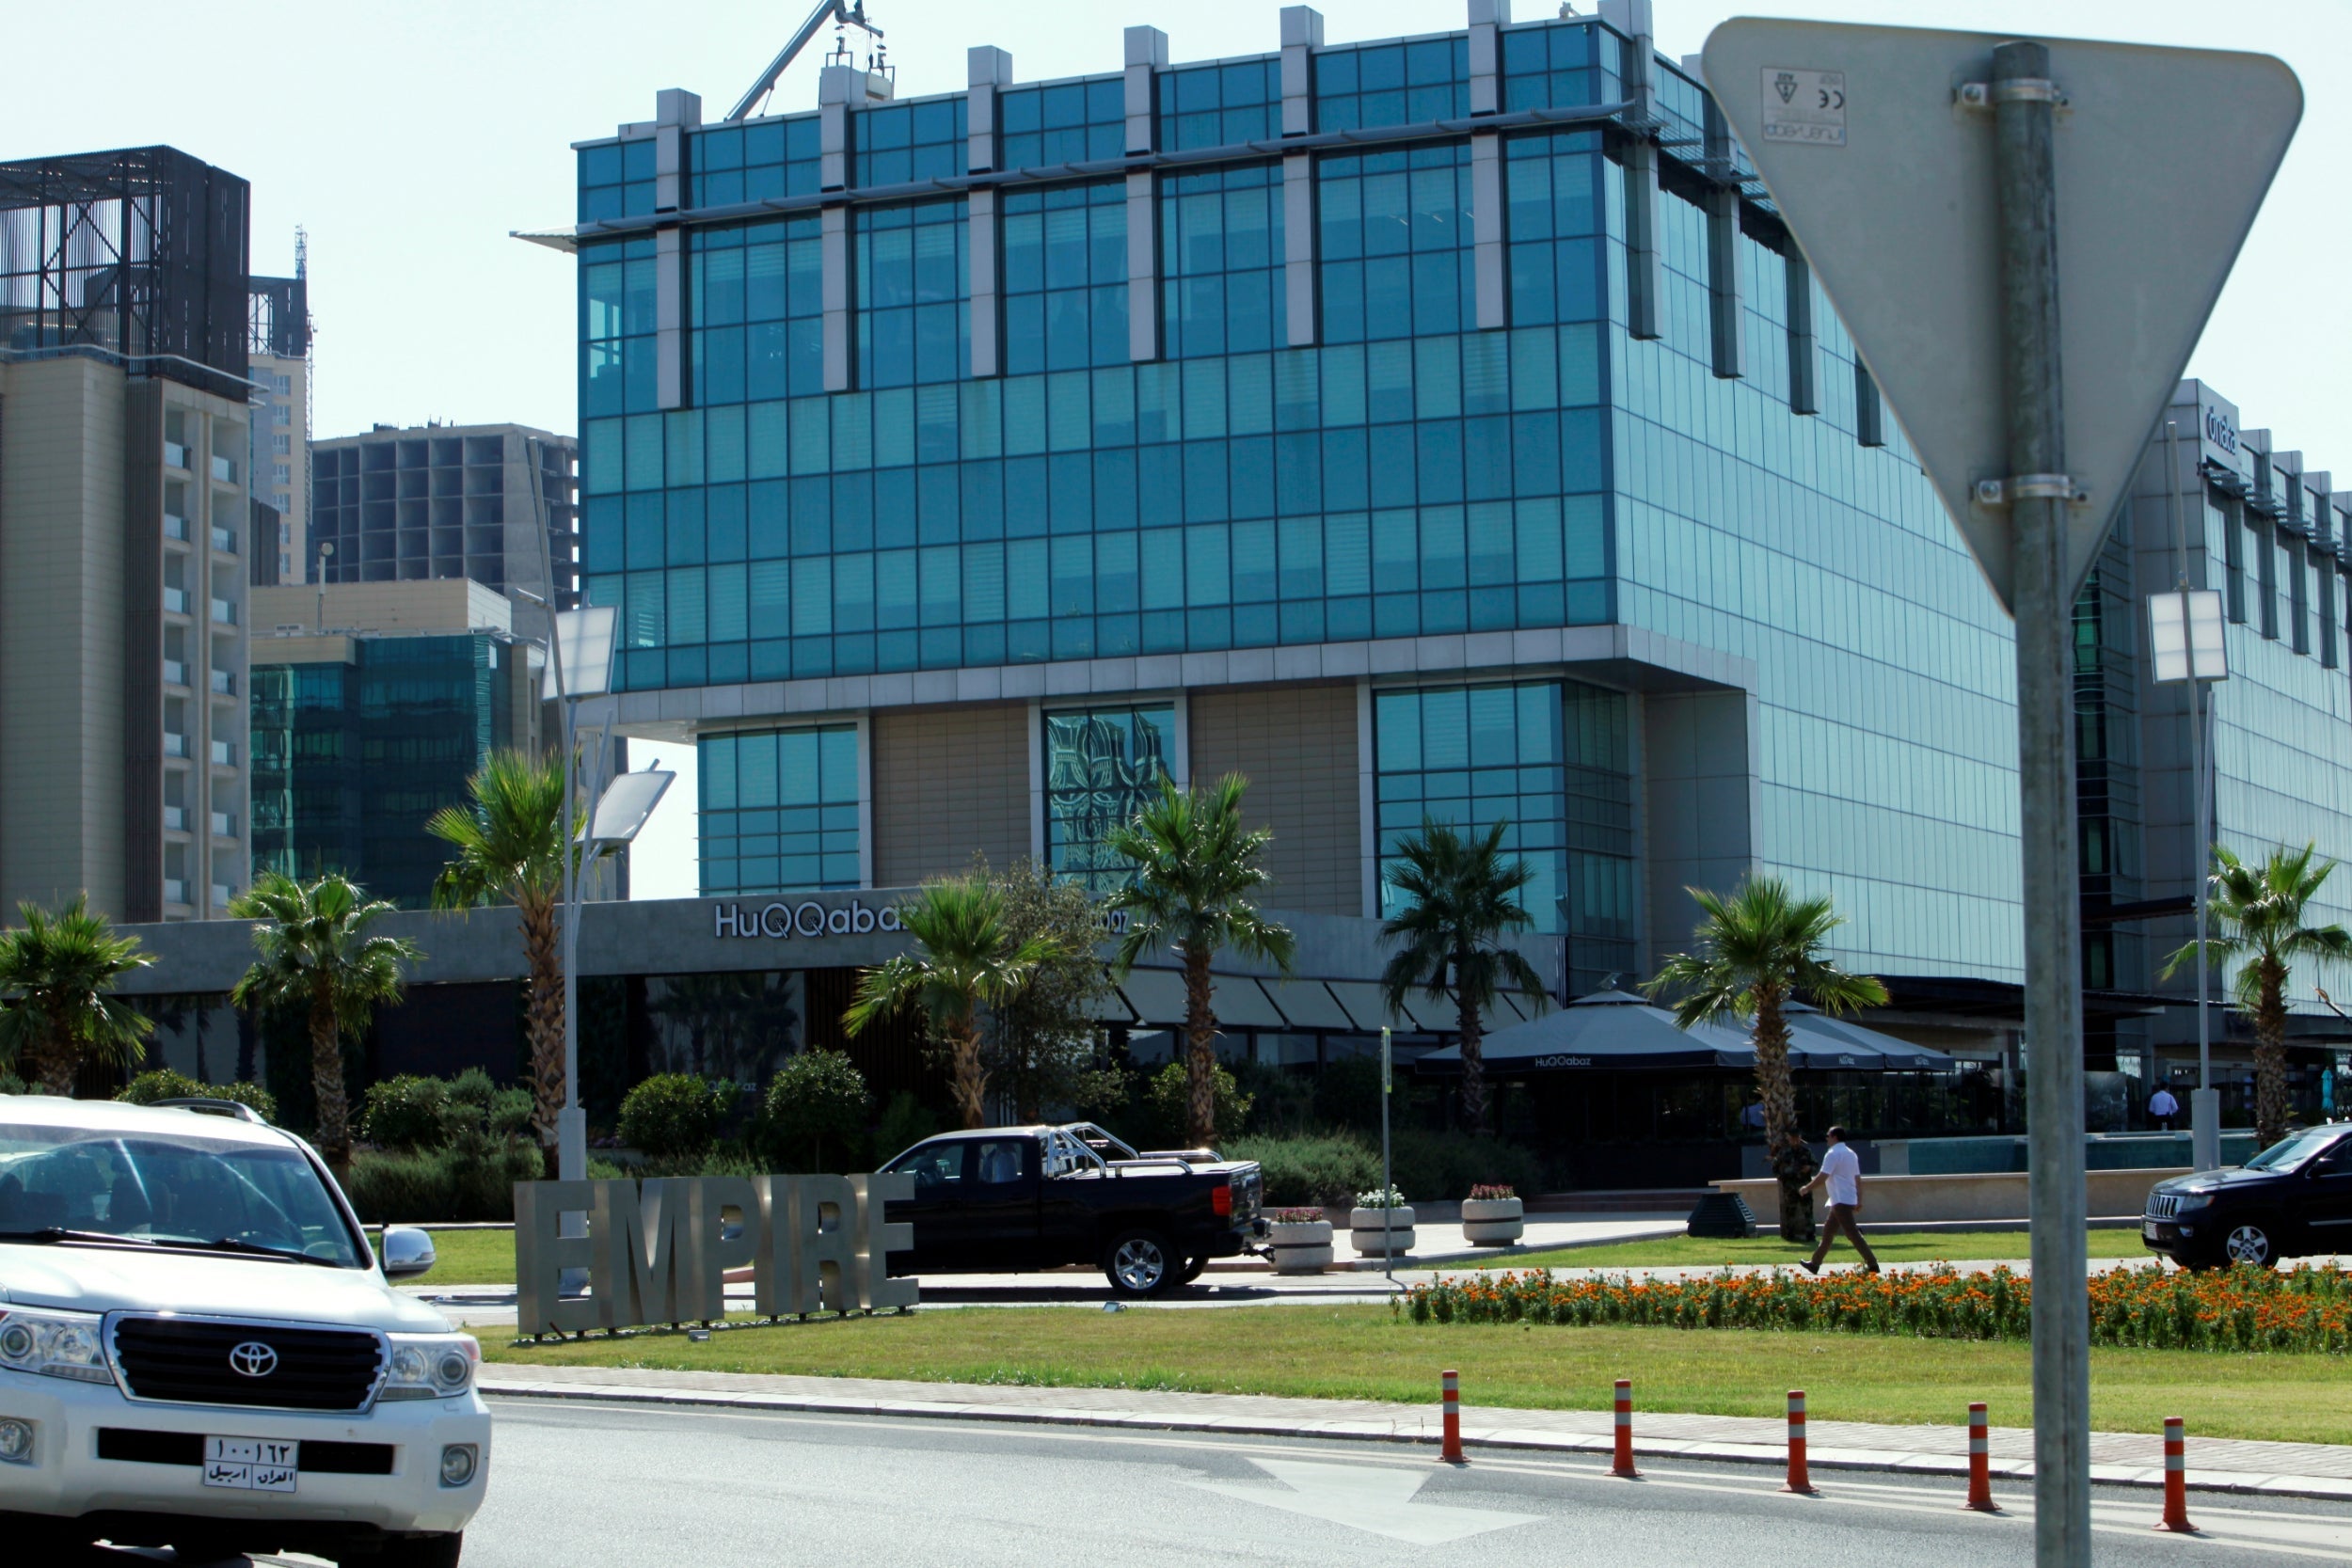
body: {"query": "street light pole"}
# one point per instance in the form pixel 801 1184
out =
pixel 2175 641
pixel 571 1123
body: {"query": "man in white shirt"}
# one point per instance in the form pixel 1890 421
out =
pixel 1841 1173
pixel 2162 1107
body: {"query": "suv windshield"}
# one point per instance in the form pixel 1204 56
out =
pixel 173 1190
pixel 2294 1153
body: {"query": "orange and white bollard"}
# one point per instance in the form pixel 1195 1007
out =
pixel 1452 1452
pixel 1980 1461
pixel 1797 1479
pixel 1624 1464
pixel 2176 1478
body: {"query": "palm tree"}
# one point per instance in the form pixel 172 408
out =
pixel 1464 904
pixel 2258 910
pixel 964 956
pixel 57 1013
pixel 1755 950
pixel 319 958
pixel 1195 865
pixel 508 840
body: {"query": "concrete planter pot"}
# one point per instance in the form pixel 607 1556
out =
pixel 1302 1246
pixel 1364 1230
pixel 1493 1221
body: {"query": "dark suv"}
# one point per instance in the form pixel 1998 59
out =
pixel 2292 1200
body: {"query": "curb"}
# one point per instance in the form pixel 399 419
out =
pixel 2143 1478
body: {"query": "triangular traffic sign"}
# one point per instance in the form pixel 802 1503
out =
pixel 1884 170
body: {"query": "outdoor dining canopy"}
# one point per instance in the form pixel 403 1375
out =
pixel 1613 1030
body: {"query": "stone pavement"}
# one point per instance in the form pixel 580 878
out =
pixel 2125 1459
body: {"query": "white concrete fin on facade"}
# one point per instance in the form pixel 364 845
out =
pixel 1877 145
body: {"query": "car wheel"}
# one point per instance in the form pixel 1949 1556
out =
pixel 1192 1269
pixel 2249 1241
pixel 1138 1263
pixel 416 1551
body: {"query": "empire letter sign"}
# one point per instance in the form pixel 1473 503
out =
pixel 658 1251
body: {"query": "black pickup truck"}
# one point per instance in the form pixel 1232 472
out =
pixel 2292 1200
pixel 1015 1199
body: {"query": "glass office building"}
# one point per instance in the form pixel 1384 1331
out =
pixel 358 740
pixel 1458 405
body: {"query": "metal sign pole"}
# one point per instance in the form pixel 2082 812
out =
pixel 2039 492
pixel 1387 1184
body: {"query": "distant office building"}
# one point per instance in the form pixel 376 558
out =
pixel 495 503
pixel 2229 509
pixel 278 350
pixel 360 734
pixel 125 511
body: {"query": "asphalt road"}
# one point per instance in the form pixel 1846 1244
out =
pixel 634 1485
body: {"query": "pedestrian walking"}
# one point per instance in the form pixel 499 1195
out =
pixel 2162 1107
pixel 1841 1173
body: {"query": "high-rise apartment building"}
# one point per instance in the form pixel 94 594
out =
pixel 125 524
pixel 494 503
pixel 279 353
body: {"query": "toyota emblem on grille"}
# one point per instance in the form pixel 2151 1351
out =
pixel 253 1359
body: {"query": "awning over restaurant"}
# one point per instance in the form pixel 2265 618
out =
pixel 1614 1029
pixel 1606 1029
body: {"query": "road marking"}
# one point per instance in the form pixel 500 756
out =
pixel 1377 1499
pixel 2220 1525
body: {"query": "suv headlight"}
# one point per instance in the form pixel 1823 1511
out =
pixel 2191 1201
pixel 431 1365
pixel 53 1344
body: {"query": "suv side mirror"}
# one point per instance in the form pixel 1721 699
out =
pixel 406 1251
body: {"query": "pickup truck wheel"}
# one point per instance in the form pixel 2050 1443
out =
pixel 2249 1241
pixel 1138 1263
pixel 1192 1269
pixel 416 1551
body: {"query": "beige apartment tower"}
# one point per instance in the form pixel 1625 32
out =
pixel 125 534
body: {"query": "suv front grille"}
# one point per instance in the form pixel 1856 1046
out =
pixel 188 1361
pixel 2162 1206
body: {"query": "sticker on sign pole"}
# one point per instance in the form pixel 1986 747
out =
pixel 1804 106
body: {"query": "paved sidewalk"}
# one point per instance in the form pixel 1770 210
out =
pixel 2125 1459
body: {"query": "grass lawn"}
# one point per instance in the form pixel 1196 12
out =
pixel 470 1258
pixel 1365 1353
pixel 1892 1247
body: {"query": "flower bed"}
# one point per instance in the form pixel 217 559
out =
pixel 2244 1309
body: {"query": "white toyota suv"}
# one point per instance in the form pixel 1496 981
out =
pixel 198 1348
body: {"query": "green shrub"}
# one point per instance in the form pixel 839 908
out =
pixel 676 1116
pixel 406 1113
pixel 814 1119
pixel 905 1122
pixel 1444 1166
pixel 1170 1100
pixel 11 1083
pixel 1313 1168
pixel 473 1087
pixel 471 1179
pixel 164 1083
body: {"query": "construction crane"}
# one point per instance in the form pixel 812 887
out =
pixel 839 13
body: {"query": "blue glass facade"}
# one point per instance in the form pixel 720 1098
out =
pixel 1308 442
pixel 352 753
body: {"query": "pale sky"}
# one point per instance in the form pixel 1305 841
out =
pixel 408 140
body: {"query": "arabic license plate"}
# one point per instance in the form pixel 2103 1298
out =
pixel 2151 1231
pixel 250 1464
